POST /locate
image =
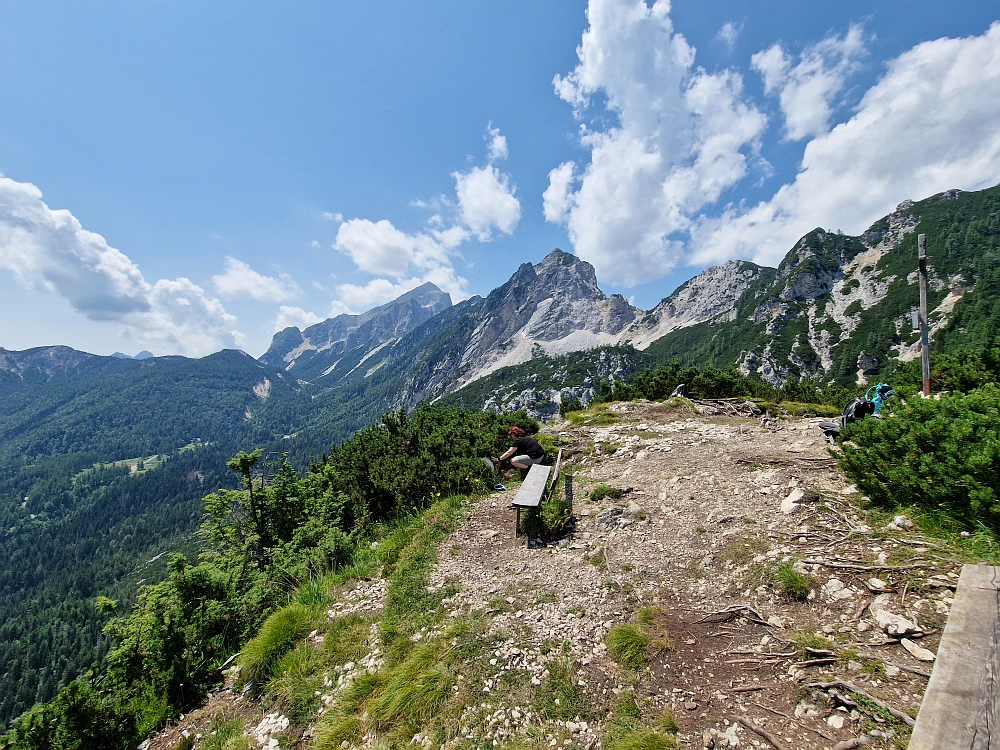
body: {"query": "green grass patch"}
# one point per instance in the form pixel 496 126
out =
pixel 596 416
pixel 559 697
pixel 345 639
pixel 297 679
pixel 603 491
pixel 627 646
pixel 627 731
pixel 794 584
pixel 279 633
pixel 225 734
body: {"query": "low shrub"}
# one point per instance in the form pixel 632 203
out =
pixel 943 455
pixel 277 636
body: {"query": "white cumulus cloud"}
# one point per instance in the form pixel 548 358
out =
pixel 680 137
pixel 498 145
pixel 374 293
pixel 295 316
pixel 379 248
pixel 48 249
pixel 808 88
pixel 239 281
pixel 729 33
pixel 484 203
pixel 928 125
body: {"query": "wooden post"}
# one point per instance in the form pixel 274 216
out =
pixel 961 707
pixel 925 349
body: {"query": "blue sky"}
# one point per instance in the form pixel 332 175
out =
pixel 184 176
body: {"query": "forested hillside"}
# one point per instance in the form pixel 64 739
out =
pixel 103 464
pixel 261 543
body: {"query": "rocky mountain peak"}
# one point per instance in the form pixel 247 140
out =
pixel 564 273
pixel 323 343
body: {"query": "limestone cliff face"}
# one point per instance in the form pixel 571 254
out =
pixel 709 296
pixel 556 305
pixel 316 350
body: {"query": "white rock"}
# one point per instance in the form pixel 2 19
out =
pixel 917 652
pixel 791 503
pixel 836 721
pixel 890 622
pixel 891 671
pixel 832 586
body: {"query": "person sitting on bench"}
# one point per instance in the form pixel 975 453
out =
pixel 525 450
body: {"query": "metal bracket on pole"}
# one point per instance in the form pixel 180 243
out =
pixel 925 350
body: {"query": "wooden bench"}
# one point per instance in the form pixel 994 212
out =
pixel 533 489
pixel 961 707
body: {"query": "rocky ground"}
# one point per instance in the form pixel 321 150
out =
pixel 712 505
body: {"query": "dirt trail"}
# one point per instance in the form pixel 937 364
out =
pixel 712 506
pixel 699 531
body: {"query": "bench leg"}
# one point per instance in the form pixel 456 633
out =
pixel 517 524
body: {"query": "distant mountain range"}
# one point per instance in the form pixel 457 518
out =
pixel 77 515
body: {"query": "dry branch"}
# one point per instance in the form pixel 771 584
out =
pixel 905 718
pixel 730 613
pixel 762 732
pixel 853 566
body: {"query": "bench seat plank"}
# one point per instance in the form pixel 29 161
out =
pixel 533 487
pixel 961 706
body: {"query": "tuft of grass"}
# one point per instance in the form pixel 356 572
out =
pixel 315 595
pixel 277 635
pixel 345 639
pixel 627 646
pixel 625 730
pixel 741 551
pixel 596 416
pixel 626 709
pixel 330 735
pixel 598 559
pixel 413 694
pixel 666 722
pixel 559 697
pixel 225 734
pixel 804 639
pixel 643 739
pixel 296 682
pixel 602 491
pixel 794 584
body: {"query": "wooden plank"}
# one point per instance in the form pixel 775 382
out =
pixel 530 494
pixel 961 708
pixel 555 471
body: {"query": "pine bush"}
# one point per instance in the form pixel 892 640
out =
pixel 943 455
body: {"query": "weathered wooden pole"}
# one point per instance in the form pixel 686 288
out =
pixel 925 349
